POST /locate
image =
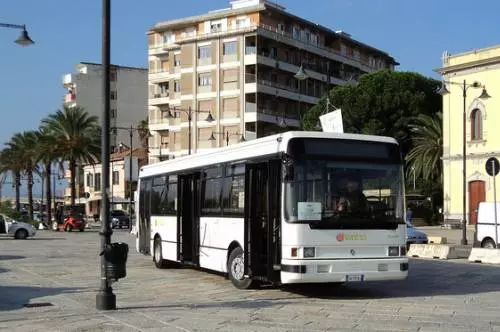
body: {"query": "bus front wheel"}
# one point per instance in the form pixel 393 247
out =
pixel 158 255
pixel 235 270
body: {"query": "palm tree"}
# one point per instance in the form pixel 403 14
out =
pixel 47 155
pixel 26 144
pixel 75 132
pixel 11 160
pixel 425 156
pixel 143 129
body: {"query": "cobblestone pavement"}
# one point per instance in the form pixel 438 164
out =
pixel 62 269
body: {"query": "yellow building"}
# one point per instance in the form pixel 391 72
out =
pixel 479 72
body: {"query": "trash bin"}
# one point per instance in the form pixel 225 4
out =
pixel 116 259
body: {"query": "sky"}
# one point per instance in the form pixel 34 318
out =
pixel 415 33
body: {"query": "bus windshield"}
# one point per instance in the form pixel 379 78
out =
pixel 344 194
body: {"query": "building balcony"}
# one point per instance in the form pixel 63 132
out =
pixel 69 98
pixel 253 114
pixel 159 98
pixel 325 51
pixel 157 151
pixel 159 76
pixel 253 84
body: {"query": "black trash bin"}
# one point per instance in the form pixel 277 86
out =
pixel 116 259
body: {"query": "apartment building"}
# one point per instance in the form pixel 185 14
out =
pixel 479 69
pixel 128 102
pixel 253 67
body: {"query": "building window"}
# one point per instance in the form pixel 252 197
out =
pixel 116 177
pixel 113 113
pixel 90 180
pixel 113 95
pixel 343 49
pixel 112 76
pixel 177 60
pixel 476 125
pixel 97 182
pixel 230 48
pixel 177 86
pixel 204 52
pixel 205 80
pixel 215 27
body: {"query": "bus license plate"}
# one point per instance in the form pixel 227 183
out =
pixel 354 278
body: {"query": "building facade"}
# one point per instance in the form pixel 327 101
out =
pixel 481 117
pixel 128 102
pixel 254 68
pixel 118 180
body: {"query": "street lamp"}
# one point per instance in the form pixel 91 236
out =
pixel 189 112
pixel 226 134
pixel 484 95
pixel 300 76
pixel 105 298
pixel 24 39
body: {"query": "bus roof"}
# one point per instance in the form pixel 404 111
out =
pixel 264 146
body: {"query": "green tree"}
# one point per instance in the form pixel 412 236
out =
pixel 382 103
pixel 78 138
pixel 48 155
pixel 143 130
pixel 11 160
pixel 26 144
pixel 425 156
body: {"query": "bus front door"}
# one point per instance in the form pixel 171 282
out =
pixel 261 222
pixel 188 220
pixel 144 225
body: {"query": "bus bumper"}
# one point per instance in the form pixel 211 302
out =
pixel 323 271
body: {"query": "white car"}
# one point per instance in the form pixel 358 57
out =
pixel 17 229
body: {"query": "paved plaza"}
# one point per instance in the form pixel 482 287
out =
pixel 61 269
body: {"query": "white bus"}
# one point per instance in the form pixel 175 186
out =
pixel 269 210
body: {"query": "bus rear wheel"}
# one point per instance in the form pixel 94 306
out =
pixel 235 270
pixel 158 255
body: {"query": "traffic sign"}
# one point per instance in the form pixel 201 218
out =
pixel 492 166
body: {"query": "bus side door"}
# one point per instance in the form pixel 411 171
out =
pixel 261 220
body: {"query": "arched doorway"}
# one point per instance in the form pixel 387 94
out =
pixel 477 194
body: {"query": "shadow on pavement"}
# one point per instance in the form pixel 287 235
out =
pixel 426 278
pixel 242 304
pixel 2 270
pixel 16 297
pixel 10 257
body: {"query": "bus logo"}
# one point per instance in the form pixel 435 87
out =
pixel 340 237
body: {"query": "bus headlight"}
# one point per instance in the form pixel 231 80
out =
pixel 309 252
pixel 393 251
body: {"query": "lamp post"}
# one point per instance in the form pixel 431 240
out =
pixel 24 39
pixel 189 112
pixel 226 134
pixel 464 86
pixel 105 298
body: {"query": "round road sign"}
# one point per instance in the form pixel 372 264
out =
pixel 492 166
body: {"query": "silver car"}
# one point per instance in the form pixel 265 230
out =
pixel 17 229
pixel 415 236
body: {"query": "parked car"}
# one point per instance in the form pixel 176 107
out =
pixel 17 229
pixel 415 236
pixel 485 228
pixel 119 219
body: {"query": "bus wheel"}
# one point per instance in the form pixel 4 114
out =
pixel 235 270
pixel 488 244
pixel 157 255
